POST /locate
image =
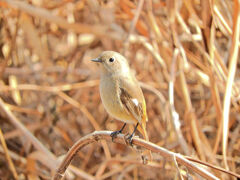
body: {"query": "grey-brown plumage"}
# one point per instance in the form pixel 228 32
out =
pixel 120 92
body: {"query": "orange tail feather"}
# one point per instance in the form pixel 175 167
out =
pixel 142 129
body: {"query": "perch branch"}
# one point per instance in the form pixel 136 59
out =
pixel 105 135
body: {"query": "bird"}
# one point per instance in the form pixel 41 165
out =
pixel 121 94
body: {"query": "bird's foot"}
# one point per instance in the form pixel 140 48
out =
pixel 114 134
pixel 129 139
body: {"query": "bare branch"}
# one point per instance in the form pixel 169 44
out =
pixel 105 135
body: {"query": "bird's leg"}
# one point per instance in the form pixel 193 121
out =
pixel 129 138
pixel 115 133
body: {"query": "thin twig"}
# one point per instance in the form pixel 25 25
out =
pixel 222 20
pixel 89 116
pixel 14 156
pixel 133 24
pixel 52 160
pixel 46 15
pixel 57 88
pixel 176 164
pixel 153 90
pixel 192 120
pixel 213 167
pixel 9 160
pixel 149 47
pixel 37 144
pixel 175 116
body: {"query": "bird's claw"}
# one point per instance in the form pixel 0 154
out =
pixel 129 139
pixel 114 134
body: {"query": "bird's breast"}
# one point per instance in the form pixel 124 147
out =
pixel 109 92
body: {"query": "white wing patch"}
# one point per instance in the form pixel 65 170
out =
pixel 135 101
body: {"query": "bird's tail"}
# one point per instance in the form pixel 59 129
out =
pixel 142 130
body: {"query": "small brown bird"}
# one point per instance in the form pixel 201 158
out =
pixel 120 92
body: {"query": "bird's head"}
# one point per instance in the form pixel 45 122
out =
pixel 112 62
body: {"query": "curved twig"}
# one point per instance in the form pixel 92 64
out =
pixel 213 167
pixel 100 135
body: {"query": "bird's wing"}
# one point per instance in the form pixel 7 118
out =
pixel 132 99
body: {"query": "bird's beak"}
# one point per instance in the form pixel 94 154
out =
pixel 96 60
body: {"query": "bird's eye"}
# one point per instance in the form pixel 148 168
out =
pixel 111 59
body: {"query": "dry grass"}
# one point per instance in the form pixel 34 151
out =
pixel 185 54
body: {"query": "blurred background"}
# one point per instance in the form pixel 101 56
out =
pixel 184 53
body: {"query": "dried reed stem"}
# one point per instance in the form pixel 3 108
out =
pixel 233 59
pixel 9 160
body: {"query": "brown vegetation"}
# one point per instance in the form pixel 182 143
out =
pixel 184 53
